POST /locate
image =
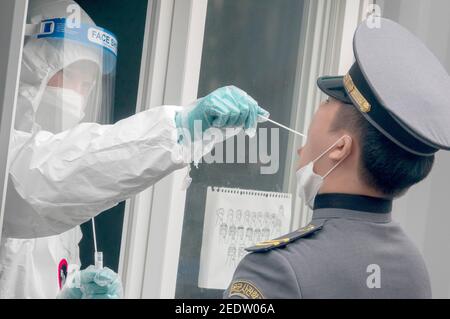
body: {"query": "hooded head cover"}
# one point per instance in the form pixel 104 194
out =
pixel 45 57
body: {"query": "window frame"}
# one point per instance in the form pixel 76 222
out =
pixel 14 13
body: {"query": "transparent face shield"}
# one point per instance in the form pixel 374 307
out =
pixel 80 86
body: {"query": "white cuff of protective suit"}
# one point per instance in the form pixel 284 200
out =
pixel 69 177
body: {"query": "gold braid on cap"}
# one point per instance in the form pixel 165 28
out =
pixel 351 88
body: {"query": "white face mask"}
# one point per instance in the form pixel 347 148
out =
pixel 308 182
pixel 60 109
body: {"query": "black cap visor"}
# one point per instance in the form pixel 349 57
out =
pixel 334 86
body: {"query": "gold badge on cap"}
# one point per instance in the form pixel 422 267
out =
pixel 353 91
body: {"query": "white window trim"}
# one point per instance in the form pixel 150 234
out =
pixel 150 94
pixel 12 35
pixel 169 75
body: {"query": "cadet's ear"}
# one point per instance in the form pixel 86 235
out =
pixel 342 149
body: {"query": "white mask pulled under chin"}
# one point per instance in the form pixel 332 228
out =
pixel 308 182
pixel 60 109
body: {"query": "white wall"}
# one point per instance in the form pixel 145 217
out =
pixel 424 212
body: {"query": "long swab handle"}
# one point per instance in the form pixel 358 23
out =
pixel 282 126
pixel 98 255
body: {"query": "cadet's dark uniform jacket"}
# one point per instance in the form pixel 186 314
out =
pixel 354 251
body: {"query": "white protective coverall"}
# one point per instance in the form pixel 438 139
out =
pixel 58 181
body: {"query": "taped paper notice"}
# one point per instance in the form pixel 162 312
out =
pixel 234 220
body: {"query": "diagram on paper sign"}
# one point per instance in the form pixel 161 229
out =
pixel 244 229
pixel 235 220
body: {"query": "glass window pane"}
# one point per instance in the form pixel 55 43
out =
pixel 253 45
pixel 109 224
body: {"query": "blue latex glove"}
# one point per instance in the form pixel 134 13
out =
pixel 95 284
pixel 70 293
pixel 100 284
pixel 225 107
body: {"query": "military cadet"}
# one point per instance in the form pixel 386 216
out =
pixel 373 139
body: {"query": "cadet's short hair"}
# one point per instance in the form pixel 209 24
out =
pixel 384 165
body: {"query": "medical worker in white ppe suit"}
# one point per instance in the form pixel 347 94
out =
pixel 66 164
